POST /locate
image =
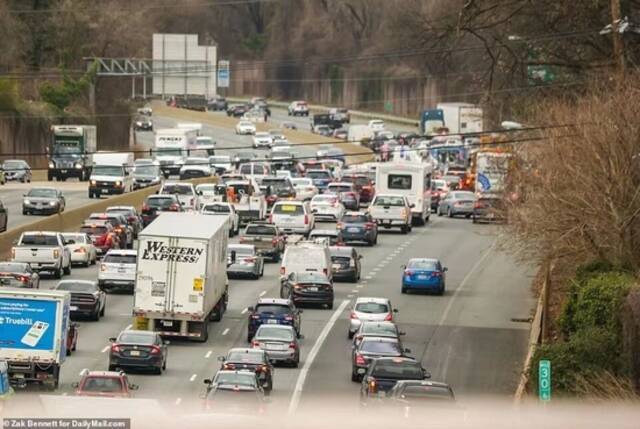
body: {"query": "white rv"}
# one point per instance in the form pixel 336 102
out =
pixel 411 180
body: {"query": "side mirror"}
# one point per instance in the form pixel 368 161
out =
pixel 112 339
pixel 395 310
pixel 301 337
pixel 75 385
pixel 207 381
pixel 445 269
pixel 134 387
pixel 70 242
pixel 233 256
pixel 404 267
pixel 221 358
pixel 250 309
pixel 426 374
pixel 300 311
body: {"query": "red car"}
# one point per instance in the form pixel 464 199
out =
pixel 106 384
pixel 102 235
pixel 363 184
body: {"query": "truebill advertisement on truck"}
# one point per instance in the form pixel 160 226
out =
pixel 491 171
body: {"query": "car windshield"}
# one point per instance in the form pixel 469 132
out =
pixel 300 183
pixel 423 264
pixel 147 170
pixel 272 309
pixel 246 357
pixel 372 307
pixel 177 189
pixel 78 238
pixel 102 384
pixel 8 267
pixel 324 199
pixel 360 181
pixel 426 392
pixel 399 370
pixel 288 209
pixel 272 332
pixel 355 218
pixel 42 193
pixel 322 174
pixel 14 165
pixel 216 208
pixel 262 134
pixel 390 348
pixel 206 189
pixel 260 230
pixel 77 287
pixel 94 230
pixel 137 338
pixel 390 201
pixel 236 378
pixel 197 161
pixel 106 170
pixel 160 202
pixel 39 240
pixel 312 278
pixel 379 329
pixel 119 259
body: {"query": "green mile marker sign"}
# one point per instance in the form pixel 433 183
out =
pixel 544 380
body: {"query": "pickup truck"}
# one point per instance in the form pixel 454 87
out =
pixel 391 211
pixel 44 251
pixel 267 239
pixel 249 201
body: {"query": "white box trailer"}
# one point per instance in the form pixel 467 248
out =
pixel 462 118
pixel 411 180
pixel 181 280
pixel 33 334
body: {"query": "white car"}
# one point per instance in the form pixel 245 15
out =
pixel 195 167
pixel 223 209
pixel 254 116
pixel 245 127
pixel 327 207
pixel 81 248
pixel 298 108
pixel 185 192
pixel 284 173
pixel 376 125
pixel 276 134
pixel 305 190
pixel 262 139
pixel 370 309
pixel 118 270
pixel 292 217
pixel 220 163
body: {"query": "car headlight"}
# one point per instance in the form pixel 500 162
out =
pixel 139 124
pixel 93 182
pixel 52 164
pixel 118 183
pixel 78 165
pixel 27 201
pixel 52 203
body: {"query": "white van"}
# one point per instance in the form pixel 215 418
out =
pixel 292 217
pixel 306 256
pixel 111 174
pixel 411 180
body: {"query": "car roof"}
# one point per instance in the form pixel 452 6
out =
pixel 139 332
pixel 241 246
pixel 435 261
pixel 352 213
pixel 275 301
pixel 366 323
pixel 275 326
pixel 341 250
pixel 49 188
pixel 132 208
pixel 365 299
pixel 91 282
pixel 123 252
pixel 382 339
pixel 245 350
pixel 422 383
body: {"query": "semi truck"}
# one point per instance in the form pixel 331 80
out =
pixel 181 281
pixel 70 152
pixel 33 335
pixel 462 118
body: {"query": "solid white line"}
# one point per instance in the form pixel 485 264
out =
pixel 225 332
pixel 178 401
pixel 350 295
pixel 263 293
pixel 354 290
pixel 128 327
pixel 208 355
pixel 105 349
pixel 193 377
pixel 297 391
pixel 244 311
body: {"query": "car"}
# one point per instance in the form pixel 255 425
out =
pixel 43 251
pixel 277 134
pixel 304 187
pixel 268 240
pixel 369 309
pixel 146 110
pixel 280 188
pixel 305 255
pixel 383 374
pixel 292 217
pixel 185 192
pixel 237 110
pixel 308 287
pixel 273 311
pixel 17 170
pixel 82 249
pixel 391 211
pixel 347 193
pixel 120 226
pixel 4 218
pixel 378 330
pixel 244 359
pixel 255 115
pixel 134 349
pixel 262 139
pixel 223 209
pixel 18 275
pixel 340 114
pixel 424 274
pixel 321 178
pixel 217 103
pixel 102 235
pixel 131 215
pixel 439 189
pixel 340 133
pixel 43 200
pixel 358 227
pixel 371 348
pixel 363 186
pixel 244 157
pixel 280 343
pixel 412 395
pixel 195 167
pixel 345 263
pixel 87 299
pixel 145 175
pixel 336 153
pixel 235 392
pixel 143 123
pixel 246 262
pixel 118 270
pixel 376 125
pixel 245 127
pixel 323 130
pixel 104 384
pixel 220 164
pixel 489 209
pixel 327 207
pixel 457 203
pixel 153 205
pixel 331 236
pixel 298 108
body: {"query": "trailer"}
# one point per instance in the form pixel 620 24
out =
pixel 181 280
pixel 33 335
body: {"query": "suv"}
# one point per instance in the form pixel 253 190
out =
pixel 159 203
pixel 383 374
pixel 357 226
pixel 389 211
pixel 118 269
pixel 273 311
pixel 131 215
pixel 345 263
pixel 298 108
pixel 217 103
pixel 293 217
pixel 267 239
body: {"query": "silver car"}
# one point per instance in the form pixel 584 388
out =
pixel 43 201
pixel 17 169
pixel 457 203
pixel 279 343
pixel 243 260
pixel 370 309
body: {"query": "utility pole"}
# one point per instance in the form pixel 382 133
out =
pixel 618 43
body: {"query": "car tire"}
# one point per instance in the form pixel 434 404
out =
pixel 25 212
pixel 164 365
pixel 449 212
pixel 67 271
pixel 404 290
pixel 112 368
pixel 95 316
pixel 57 274
pixel 158 370
pixel 355 377
pixel 350 334
pixel 441 291
pixel 296 363
pixel 404 229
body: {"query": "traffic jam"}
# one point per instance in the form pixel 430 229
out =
pixel 180 255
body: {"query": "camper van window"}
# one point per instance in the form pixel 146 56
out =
pixel 399 181
pixel 107 170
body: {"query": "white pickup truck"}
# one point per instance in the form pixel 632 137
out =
pixel 44 251
pixel 391 211
pixel 250 202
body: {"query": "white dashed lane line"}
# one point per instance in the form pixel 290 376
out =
pixel 243 311
pixel 105 349
pixel 225 332
pixel 263 293
pixel 193 377
pixel 208 355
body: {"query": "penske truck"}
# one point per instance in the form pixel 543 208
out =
pixel 181 281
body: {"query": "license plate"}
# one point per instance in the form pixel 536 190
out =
pixel 276 346
pixel 312 289
pixel 353 229
pixel 422 277
pixel 336 266
pixel 63 171
pixel 258 238
pixel 73 308
pixel 103 191
pixel 167 323
pixel 272 321
pixel 134 353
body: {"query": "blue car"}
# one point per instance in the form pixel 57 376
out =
pixel 424 274
pixel 273 311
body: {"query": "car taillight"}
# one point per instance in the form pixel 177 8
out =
pixel 56 253
pixel 23 279
pixel 325 271
pixel 368 225
pixel 292 346
pixel 408 272
pixel 131 218
pixel 174 207
pixel 191 201
pixel 360 360
pixel 255 316
pixel 115 348
pixel 339 225
pixel 297 287
pixel 373 386
pixel 229 366
pixel 282 271
pixel 288 318
pixel 389 317
pixel 353 315
pixel 436 274
pixel 306 219
pixel 255 344
pixel 155 350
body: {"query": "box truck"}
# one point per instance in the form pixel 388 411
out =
pixel 171 148
pixel 70 151
pixel 181 280
pixel 461 118
pixel 33 335
pixel 111 174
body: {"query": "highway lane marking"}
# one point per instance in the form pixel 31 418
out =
pixel 178 401
pixel 350 295
pixel 360 286
pixel 208 355
pixel 225 332
pixel 297 391
pixel 263 293
pixel 193 377
pixel 354 290
pixel 105 349
pixel 244 311
pixel 368 277
pixel 128 327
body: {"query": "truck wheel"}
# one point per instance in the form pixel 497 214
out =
pixel 67 270
pixel 404 229
pixel 90 195
pixel 58 273
pixel 103 308
pixel 204 336
pixel 49 177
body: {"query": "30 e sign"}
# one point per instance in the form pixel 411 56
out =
pixel 544 380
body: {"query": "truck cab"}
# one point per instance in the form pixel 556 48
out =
pixel 70 152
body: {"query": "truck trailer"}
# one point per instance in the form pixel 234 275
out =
pixel 33 335
pixel 181 280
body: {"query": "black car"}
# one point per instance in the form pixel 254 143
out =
pixel 281 187
pixel 86 298
pixel 370 349
pixel 255 360
pixel 43 200
pixel 308 288
pixel 237 110
pixel 120 225
pixel 273 311
pixel 18 274
pixel 489 209
pixel 217 103
pixel 358 227
pixel 143 123
pixel 155 204
pixel 131 216
pixel 235 392
pixel 138 350
pixel 345 263
pixel 383 374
